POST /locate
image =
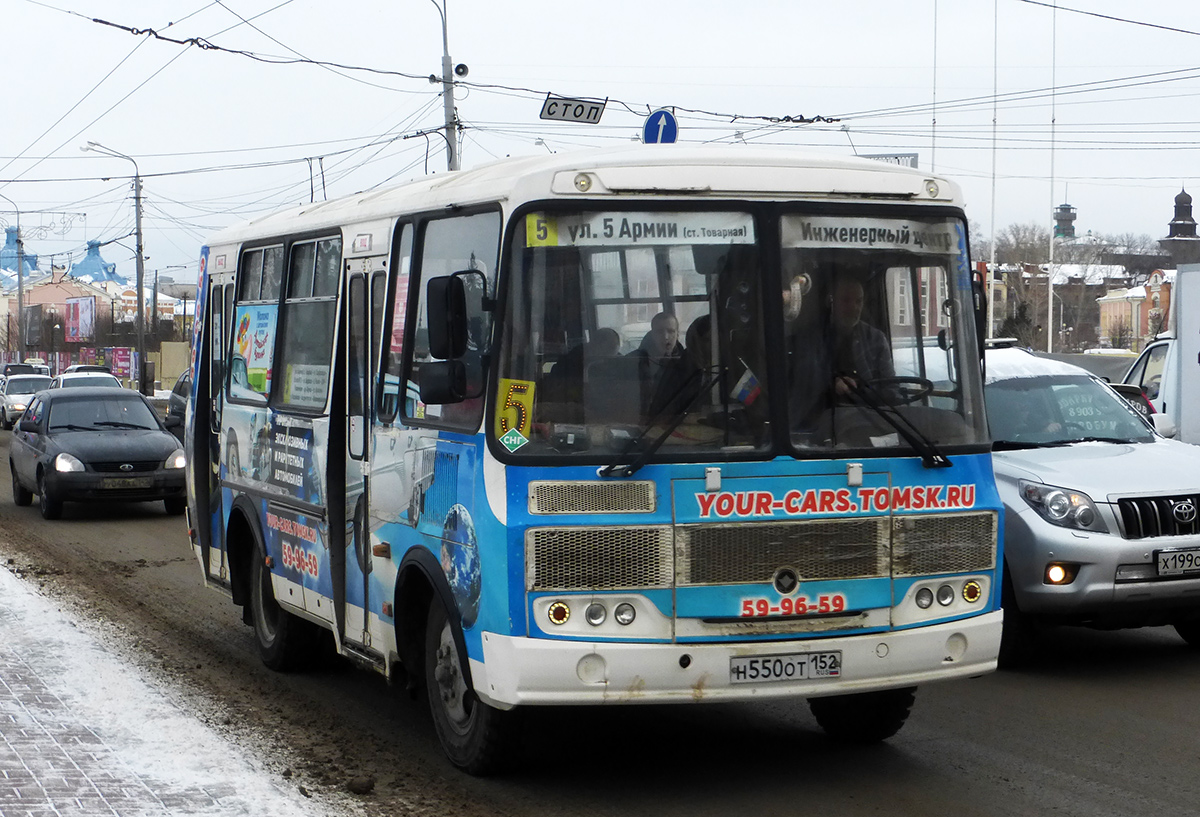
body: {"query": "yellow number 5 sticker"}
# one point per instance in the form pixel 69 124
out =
pixel 516 407
pixel 540 231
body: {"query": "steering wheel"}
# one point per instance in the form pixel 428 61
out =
pixel 906 389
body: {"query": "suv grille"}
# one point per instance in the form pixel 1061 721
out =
pixel 1148 517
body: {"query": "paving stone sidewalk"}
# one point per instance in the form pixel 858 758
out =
pixel 83 733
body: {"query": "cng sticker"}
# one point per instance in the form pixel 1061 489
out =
pixel 513 439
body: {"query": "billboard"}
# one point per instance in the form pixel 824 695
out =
pixel 81 319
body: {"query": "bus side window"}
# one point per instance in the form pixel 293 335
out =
pixel 453 245
pixel 308 319
pixel 390 388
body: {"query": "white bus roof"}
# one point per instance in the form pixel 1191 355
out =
pixel 687 171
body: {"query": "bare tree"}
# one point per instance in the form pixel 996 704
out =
pixel 1120 333
pixel 1023 244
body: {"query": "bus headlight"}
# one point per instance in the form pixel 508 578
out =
pixel 595 614
pixel 625 613
pixel 924 598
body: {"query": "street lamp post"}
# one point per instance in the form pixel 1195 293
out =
pixel 20 281
pixel 141 271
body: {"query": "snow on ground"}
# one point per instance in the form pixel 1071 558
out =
pixel 147 735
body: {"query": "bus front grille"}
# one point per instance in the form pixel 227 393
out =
pixel 926 544
pixel 591 497
pixel 608 558
pixel 750 553
pixel 618 557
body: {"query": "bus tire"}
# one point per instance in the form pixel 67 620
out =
pixel 865 717
pixel 476 737
pixel 284 641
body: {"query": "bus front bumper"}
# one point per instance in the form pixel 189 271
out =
pixel 520 671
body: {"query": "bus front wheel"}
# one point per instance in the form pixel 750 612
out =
pixel 284 641
pixel 865 717
pixel 475 737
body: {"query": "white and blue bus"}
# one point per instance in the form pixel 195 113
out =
pixel 655 424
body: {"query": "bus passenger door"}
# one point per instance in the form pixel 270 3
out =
pixel 365 294
pixel 219 316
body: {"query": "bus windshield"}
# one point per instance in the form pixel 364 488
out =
pixel 687 332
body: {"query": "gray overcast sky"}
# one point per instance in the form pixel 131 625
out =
pixel 219 137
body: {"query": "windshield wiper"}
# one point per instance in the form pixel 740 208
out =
pixel 1095 440
pixel 72 427
pixel 930 456
pixel 121 424
pixel 614 468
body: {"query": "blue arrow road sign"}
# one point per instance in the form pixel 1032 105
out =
pixel 660 128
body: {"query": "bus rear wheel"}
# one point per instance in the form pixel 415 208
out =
pixel 476 737
pixel 285 642
pixel 865 717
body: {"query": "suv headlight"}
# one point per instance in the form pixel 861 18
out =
pixel 66 463
pixel 1063 507
pixel 176 460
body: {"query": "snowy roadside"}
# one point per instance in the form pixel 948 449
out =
pixel 110 731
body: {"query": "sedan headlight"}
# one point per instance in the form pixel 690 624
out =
pixel 1063 507
pixel 66 463
pixel 176 460
pixel 17 406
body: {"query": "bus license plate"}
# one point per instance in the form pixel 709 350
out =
pixel 798 666
pixel 1178 562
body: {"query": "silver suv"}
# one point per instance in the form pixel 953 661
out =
pixel 1100 512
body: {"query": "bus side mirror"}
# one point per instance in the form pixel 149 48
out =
pixel 443 382
pixel 447 308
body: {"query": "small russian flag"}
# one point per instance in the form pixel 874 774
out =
pixel 747 389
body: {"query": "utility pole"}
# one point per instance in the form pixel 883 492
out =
pixel 141 261
pixel 448 92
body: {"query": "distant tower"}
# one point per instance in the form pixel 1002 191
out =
pixel 1064 221
pixel 1181 241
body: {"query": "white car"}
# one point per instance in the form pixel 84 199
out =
pixel 70 379
pixel 1100 511
pixel 16 392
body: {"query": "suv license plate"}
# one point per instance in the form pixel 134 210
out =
pixel 1178 562
pixel 797 666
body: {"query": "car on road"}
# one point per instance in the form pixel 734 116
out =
pixel 1100 511
pixel 177 400
pixel 94 445
pixel 85 378
pixel 15 392
pixel 86 367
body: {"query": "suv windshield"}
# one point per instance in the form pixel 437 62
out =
pixel 1060 409
pixel 687 330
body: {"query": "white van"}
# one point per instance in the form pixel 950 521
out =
pixel 1168 369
